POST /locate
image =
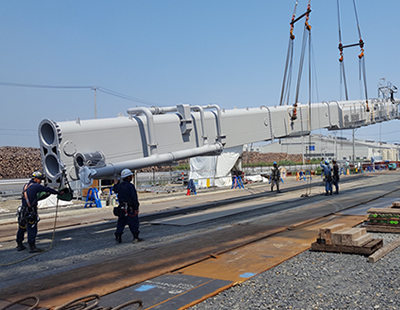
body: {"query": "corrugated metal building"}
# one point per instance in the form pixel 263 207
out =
pixel 332 147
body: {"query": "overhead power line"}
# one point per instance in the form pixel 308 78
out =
pixel 42 86
pixel 99 88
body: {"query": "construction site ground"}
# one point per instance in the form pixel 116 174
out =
pixel 196 246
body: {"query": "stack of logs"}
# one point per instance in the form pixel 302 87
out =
pixel 384 219
pixel 338 238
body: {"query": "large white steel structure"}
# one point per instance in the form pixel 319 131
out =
pixel 100 148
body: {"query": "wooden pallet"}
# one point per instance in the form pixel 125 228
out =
pixel 366 249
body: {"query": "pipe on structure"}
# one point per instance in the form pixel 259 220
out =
pixel 114 169
pixel 150 127
pixel 203 128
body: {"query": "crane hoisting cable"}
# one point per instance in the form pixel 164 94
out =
pixel 362 71
pixel 287 78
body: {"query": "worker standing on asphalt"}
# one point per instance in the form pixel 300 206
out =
pixel 328 176
pixel 335 176
pixel 275 177
pixel 28 217
pixel 128 213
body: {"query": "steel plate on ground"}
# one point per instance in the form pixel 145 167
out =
pixel 171 291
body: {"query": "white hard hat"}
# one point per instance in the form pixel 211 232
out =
pixel 126 173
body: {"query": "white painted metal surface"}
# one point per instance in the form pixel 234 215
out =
pixel 100 148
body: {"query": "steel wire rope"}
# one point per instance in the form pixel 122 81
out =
pixel 51 243
pixel 310 56
pixel 341 60
pixel 21 300
pixel 287 76
pixel 81 303
pixel 301 63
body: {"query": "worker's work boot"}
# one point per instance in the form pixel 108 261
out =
pixel 137 239
pixel 20 247
pixel 34 249
pixel 326 193
pixel 330 193
pixel 118 238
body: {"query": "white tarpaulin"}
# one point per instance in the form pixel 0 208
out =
pixel 216 169
pixel 51 201
pixel 256 178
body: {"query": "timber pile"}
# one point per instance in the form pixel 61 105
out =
pixel 19 162
pixel 256 157
pixel 384 219
pixel 338 238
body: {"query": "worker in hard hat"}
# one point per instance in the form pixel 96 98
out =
pixel 335 175
pixel 128 207
pixel 327 171
pixel 275 177
pixel 28 217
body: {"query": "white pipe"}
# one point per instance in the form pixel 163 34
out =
pixel 203 128
pixel 150 127
pixel 114 169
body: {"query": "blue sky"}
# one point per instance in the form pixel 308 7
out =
pixel 166 52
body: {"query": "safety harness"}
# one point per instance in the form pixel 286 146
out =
pixel 25 212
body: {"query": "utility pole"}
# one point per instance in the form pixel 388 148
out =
pixel 354 146
pixel 95 100
pixel 335 146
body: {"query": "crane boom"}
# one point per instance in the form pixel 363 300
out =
pixel 83 150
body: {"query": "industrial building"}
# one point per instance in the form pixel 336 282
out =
pixel 333 146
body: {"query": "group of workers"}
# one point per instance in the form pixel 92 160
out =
pixel 28 217
pixel 331 176
pixel 128 208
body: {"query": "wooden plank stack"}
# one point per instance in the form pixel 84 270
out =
pixel 384 219
pixel 338 238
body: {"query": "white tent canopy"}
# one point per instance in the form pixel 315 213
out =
pixel 216 169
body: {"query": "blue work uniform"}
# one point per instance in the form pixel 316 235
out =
pixel 328 177
pixel 275 178
pixel 29 210
pixel 128 213
pixel 335 177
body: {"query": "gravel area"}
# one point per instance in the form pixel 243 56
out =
pixel 319 280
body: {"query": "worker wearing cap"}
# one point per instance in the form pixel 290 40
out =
pixel 327 171
pixel 275 177
pixel 335 175
pixel 28 217
pixel 128 213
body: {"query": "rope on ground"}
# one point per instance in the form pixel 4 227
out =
pixel 87 302
pixel 33 255
pixel 19 301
